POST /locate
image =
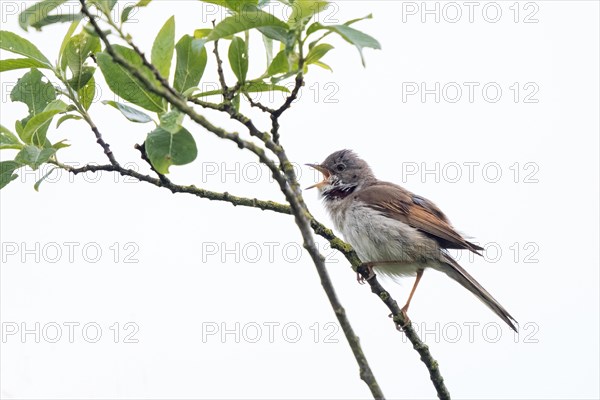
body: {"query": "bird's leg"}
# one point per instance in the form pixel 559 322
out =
pixel 404 309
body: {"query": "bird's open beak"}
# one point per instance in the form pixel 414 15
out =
pixel 324 171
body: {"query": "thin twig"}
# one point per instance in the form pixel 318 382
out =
pixel 174 188
pixel 299 82
pixel 258 104
pixel 105 146
pixel 220 72
pixel 288 103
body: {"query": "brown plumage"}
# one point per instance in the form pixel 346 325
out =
pixel 416 211
pixel 393 230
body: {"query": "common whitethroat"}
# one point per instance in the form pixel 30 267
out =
pixel 392 230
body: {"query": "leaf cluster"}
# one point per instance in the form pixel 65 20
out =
pixel 291 48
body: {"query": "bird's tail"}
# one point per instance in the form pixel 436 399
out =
pixel 456 272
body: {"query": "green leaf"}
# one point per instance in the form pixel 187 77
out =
pixel 163 47
pixel 16 44
pixel 201 33
pixel 8 140
pixel 359 39
pixel 19 63
pixel 57 105
pixel 34 156
pixel 188 92
pixel 165 148
pixel 322 65
pixel 35 130
pixel 258 86
pixel 31 90
pixel 86 94
pixel 19 128
pixel 90 30
pixel 316 26
pixel 171 121
pixel 105 6
pixel 57 19
pixel 62 62
pixel 242 22
pixel 268 42
pixel 124 84
pixel 77 50
pixel 38 183
pixel 236 102
pixel 283 35
pixel 238 58
pixel 303 10
pixel 7 169
pixel 127 10
pixel 84 76
pixel 128 112
pixel 61 144
pixel 191 62
pixel 67 117
pixel 38 12
pixel 370 16
pixel 317 52
pixel 283 63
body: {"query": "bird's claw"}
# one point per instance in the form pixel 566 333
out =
pixel 407 321
pixel 359 278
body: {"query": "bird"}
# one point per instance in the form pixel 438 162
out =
pixel 393 231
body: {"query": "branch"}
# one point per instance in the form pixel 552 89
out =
pixel 100 140
pixel 226 95
pixel 288 103
pixel 398 317
pixel 288 185
pixel 346 249
pixel 174 188
pixel 258 104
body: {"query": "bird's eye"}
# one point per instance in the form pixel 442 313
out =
pixel 340 167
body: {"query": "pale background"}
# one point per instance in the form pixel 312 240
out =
pixel 180 289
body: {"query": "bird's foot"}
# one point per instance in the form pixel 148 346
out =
pixel 359 278
pixel 407 321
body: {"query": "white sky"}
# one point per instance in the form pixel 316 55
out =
pixel 204 267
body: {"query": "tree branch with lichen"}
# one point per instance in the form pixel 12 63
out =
pixel 297 207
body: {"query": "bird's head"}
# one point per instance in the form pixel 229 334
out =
pixel 343 172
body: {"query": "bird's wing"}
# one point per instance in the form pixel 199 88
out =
pixel 416 211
